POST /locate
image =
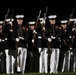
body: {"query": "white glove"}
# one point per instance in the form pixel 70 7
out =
pixel 21 38
pixel 43 22
pixel 10 23
pixel 43 28
pixel 34 31
pixel 33 41
pixel 52 37
pixel 71 53
pixel 70 37
pixel 49 40
pixel 73 29
pixel 17 39
pixel 39 50
pixel 70 48
pixel 11 30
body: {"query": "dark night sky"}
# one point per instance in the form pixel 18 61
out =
pixel 31 8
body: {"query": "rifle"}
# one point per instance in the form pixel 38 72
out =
pixel 49 45
pixel 49 51
pixel 71 15
pixel 34 35
pixel 38 18
pixel 18 54
pixel 72 35
pixel 6 17
pixel 11 17
pixel 43 25
pixel 45 13
pixel 44 19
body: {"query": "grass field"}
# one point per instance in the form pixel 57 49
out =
pixel 60 73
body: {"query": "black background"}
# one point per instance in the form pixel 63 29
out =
pixel 30 8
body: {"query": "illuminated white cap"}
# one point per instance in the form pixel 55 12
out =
pixel 64 21
pixel 12 19
pixel 8 20
pixel 72 19
pixel 32 22
pixel 52 16
pixel 41 19
pixel 1 22
pixel 19 16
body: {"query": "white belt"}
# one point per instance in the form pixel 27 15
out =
pixel 39 37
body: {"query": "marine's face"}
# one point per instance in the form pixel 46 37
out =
pixel 31 27
pixel 52 21
pixel 19 21
pixel 64 26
